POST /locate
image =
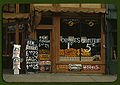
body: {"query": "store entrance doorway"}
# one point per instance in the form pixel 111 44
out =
pixel 44 51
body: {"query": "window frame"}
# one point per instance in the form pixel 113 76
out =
pixel 13 32
pixel 102 18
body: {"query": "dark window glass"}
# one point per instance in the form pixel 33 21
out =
pixel 24 8
pixel 10 8
pixel 113 24
pixel 80 39
pixel 46 21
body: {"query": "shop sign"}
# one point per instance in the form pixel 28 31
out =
pixel 16 59
pixel 31 56
pixel 44 57
pixel 43 42
pixel 71 21
pixel 16 51
pixel 91 67
pixel 44 62
pixel 62 67
pixel 16 63
pixel 91 23
pixel 75 67
pixel 44 68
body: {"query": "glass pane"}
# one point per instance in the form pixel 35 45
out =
pixel 9 8
pixel 46 21
pixel 70 39
pixel 80 39
pixel 4 41
pixel 11 42
pixel 24 8
pixel 43 37
pixel 13 27
pixel 114 45
pixel 90 39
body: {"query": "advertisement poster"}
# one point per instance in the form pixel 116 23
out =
pixel 75 67
pixel 16 51
pixel 91 67
pixel 16 63
pixel 44 66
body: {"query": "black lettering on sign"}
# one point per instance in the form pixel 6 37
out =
pixel 31 56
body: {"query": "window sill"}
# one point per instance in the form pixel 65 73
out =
pixel 80 62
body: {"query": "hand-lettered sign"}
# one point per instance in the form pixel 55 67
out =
pixel 31 56
pixel 43 42
pixel 91 67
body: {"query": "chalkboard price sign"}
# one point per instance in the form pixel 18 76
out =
pixel 43 42
pixel 31 56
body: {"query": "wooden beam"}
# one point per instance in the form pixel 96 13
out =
pixel 55 4
pixel 100 71
pixel 17 8
pixel 102 5
pixel 48 27
pixel 31 8
pixel 81 62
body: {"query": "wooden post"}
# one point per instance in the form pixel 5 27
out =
pixel 17 34
pixel 32 33
pixel 102 39
pixel 17 26
pixel 56 23
pixel 80 5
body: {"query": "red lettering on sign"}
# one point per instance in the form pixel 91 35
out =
pixel 91 67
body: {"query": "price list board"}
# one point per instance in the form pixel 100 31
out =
pixel 31 56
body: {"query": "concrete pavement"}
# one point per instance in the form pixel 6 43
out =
pixel 59 77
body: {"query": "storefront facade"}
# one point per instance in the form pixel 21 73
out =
pixel 69 39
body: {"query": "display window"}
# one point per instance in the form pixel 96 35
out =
pixel 80 39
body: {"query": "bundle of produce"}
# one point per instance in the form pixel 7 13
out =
pixel 62 52
pixel 70 52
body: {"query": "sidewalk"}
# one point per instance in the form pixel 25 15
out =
pixel 59 77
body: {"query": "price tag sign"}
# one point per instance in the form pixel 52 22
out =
pixel 31 56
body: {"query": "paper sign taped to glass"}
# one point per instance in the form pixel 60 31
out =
pixel 16 63
pixel 16 51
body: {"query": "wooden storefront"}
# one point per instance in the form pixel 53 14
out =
pixel 53 28
pixel 60 31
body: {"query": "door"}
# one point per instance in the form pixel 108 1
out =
pixel 44 50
